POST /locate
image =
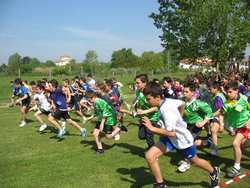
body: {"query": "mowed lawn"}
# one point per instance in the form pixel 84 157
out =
pixel 29 159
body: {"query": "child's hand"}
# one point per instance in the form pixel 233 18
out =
pixel 17 102
pixel 139 111
pixel 199 124
pixel 146 122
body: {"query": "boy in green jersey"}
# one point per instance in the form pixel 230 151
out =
pixel 196 114
pixel 105 120
pixel 217 123
pixel 143 108
pixel 237 115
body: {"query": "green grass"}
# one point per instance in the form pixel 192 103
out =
pixel 29 159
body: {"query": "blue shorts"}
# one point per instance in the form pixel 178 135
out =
pixel 187 153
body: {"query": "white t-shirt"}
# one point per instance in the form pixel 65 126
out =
pixel 91 82
pixel 42 101
pixel 172 121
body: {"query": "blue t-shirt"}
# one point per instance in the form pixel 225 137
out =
pixel 15 90
pixel 85 87
pixel 21 91
pixel 59 99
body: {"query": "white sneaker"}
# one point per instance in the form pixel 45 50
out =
pixel 42 127
pixel 117 137
pixel 22 124
pixel 63 124
pixel 184 166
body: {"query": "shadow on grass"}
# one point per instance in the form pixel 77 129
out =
pixel 57 138
pixel 132 149
pixel 142 176
pixel 93 144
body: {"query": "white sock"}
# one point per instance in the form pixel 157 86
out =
pixel 237 166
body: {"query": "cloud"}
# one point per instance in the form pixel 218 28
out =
pixel 92 34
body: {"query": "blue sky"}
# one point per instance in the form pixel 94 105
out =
pixel 47 29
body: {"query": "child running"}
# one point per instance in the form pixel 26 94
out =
pixel 59 105
pixel 105 120
pixel 173 135
pixel 237 115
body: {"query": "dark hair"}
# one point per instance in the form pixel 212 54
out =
pixel 192 87
pixel 215 84
pixel 89 75
pixel 40 86
pixel 91 94
pixel 142 77
pixel 32 83
pixel 54 83
pixel 232 85
pixel 167 79
pixel 66 80
pixel 18 81
pixel 155 80
pixel 153 89
pixel 109 82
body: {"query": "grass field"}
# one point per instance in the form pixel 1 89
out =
pixel 29 159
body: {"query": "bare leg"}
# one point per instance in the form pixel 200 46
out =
pixel 214 130
pixel 97 136
pixel 74 124
pixel 237 147
pixel 54 122
pixel 203 164
pixel 151 157
pixel 38 117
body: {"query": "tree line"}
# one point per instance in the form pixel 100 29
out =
pixel 120 59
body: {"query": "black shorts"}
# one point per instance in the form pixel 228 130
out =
pixel 58 114
pixel 195 131
pixel 74 104
pixel 26 102
pixel 44 111
pixel 108 129
pixel 215 120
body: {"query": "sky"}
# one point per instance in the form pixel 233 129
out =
pixel 47 29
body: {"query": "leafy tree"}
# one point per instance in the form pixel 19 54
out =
pixel 49 63
pixel 14 63
pixel 124 58
pixel 192 29
pixel 3 68
pixel 151 60
pixel 91 57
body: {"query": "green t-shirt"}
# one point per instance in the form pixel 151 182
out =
pixel 143 104
pixel 236 112
pixel 196 111
pixel 104 110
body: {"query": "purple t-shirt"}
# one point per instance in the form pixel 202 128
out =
pixel 218 103
pixel 59 99
pixel 242 89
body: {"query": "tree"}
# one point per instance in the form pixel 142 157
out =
pixel 151 60
pixel 124 58
pixel 91 57
pixel 3 68
pixel 14 63
pixel 49 63
pixel 217 29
